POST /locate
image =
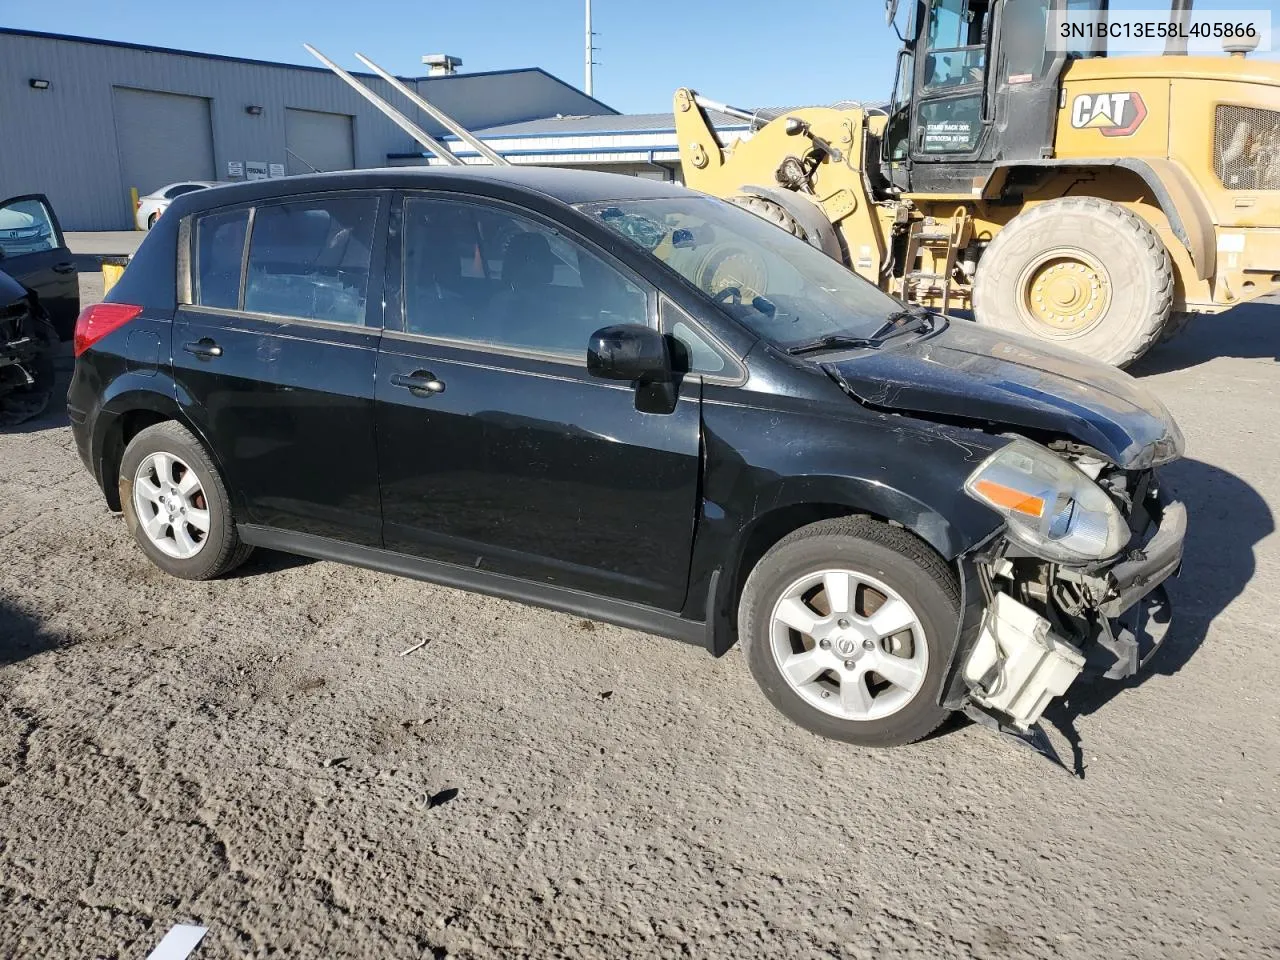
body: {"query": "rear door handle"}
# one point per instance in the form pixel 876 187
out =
pixel 204 349
pixel 66 267
pixel 420 383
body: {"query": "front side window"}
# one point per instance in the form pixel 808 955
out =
pixel 310 259
pixel 219 253
pixel 776 285
pixel 26 226
pixel 489 275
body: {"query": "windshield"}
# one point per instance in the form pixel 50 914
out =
pixel 775 284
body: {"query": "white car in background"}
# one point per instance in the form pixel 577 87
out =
pixel 153 204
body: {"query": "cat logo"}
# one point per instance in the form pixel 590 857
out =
pixel 1111 114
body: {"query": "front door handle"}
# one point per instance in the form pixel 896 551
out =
pixel 65 267
pixel 420 383
pixel 203 349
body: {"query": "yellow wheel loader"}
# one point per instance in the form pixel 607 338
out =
pixel 1088 200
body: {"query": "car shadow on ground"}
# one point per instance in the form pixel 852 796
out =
pixel 1227 517
pixel 1251 331
pixel 22 634
pixel 264 563
pixel 55 415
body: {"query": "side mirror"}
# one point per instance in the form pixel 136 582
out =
pixel 629 352
pixel 794 126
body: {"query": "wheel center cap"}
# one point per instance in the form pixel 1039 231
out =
pixel 848 647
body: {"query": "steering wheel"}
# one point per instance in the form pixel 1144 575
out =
pixel 731 295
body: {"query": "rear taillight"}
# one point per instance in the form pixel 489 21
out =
pixel 97 321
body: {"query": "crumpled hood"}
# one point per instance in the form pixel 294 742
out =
pixel 976 373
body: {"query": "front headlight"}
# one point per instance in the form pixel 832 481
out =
pixel 1052 508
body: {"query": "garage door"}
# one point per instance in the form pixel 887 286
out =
pixel 163 137
pixel 317 141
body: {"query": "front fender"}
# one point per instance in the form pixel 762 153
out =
pixel 769 474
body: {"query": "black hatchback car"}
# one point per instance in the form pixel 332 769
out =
pixel 643 405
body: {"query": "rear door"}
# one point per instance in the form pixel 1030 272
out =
pixel 33 252
pixel 276 354
pixel 497 450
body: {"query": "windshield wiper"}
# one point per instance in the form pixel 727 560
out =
pixel 911 320
pixel 832 341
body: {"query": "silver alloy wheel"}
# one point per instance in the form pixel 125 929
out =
pixel 849 644
pixel 171 505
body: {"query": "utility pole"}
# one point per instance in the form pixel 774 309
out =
pixel 590 49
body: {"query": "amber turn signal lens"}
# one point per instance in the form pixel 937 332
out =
pixel 1011 499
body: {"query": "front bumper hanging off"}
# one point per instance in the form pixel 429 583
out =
pixel 1018 658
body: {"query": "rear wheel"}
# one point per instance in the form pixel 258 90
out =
pixel 848 626
pixel 151 220
pixel 1087 274
pixel 176 505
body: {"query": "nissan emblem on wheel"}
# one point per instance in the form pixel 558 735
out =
pixel 642 405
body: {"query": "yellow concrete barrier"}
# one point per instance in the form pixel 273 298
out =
pixel 112 270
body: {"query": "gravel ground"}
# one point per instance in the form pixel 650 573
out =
pixel 255 755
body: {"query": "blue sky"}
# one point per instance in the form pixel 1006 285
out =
pixel 745 52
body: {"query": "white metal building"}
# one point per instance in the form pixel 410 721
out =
pixel 85 120
pixel 642 144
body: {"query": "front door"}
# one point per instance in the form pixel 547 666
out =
pixel 33 252
pixel 275 359
pixel 497 450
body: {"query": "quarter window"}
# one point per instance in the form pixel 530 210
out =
pixel 310 259
pixel 219 253
pixel 694 352
pixel 487 275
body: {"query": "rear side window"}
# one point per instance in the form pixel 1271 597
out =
pixel 178 191
pixel 219 252
pixel 310 259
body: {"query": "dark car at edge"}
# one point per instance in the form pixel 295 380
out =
pixel 627 400
pixel 39 299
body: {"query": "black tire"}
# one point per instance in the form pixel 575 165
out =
pixel 151 220
pixel 1128 253
pixel 773 212
pixel 221 550
pixel 897 559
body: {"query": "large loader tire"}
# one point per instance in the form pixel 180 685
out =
pixel 1083 273
pixel 773 212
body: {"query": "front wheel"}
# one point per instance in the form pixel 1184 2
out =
pixel 848 626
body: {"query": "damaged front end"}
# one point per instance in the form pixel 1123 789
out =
pixel 1073 584
pixel 27 343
